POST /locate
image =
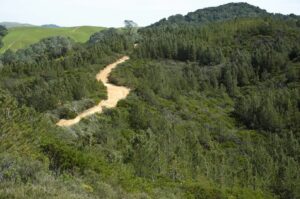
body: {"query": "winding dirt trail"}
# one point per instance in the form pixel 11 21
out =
pixel 114 94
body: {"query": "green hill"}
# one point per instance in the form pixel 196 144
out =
pixel 21 37
pixel 15 24
pixel 213 113
pixel 220 13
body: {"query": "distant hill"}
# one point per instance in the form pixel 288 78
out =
pixel 20 37
pixel 50 26
pixel 15 24
pixel 220 13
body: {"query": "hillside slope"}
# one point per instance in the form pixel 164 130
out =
pixel 220 13
pixel 21 37
pixel 15 24
pixel 213 113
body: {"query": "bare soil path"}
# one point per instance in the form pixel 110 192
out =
pixel 114 94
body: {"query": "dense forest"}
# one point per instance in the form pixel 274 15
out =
pixel 225 12
pixel 214 111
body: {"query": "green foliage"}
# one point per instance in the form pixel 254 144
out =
pixel 213 112
pixel 226 12
pixel 22 37
pixel 221 13
pixel 270 109
pixel 114 38
pixel 3 32
pixel 49 48
pixel 16 169
pixel 56 71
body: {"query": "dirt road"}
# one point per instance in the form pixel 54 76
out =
pixel 114 94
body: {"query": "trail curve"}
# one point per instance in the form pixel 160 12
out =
pixel 114 94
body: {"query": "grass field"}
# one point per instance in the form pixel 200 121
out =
pixel 21 37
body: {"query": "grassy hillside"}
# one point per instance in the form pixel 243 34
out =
pixel 21 37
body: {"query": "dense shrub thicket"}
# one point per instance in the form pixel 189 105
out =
pixel 213 111
pixel 56 70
